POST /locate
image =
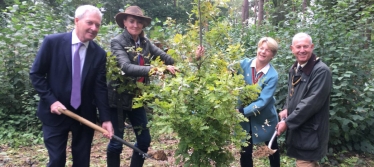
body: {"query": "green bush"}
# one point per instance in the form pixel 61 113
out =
pixel 26 24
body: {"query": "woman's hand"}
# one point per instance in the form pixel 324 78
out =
pixel 172 69
pixel 199 52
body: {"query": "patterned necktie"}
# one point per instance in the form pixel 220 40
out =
pixel 298 69
pixel 296 78
pixel 297 73
pixel 75 99
pixel 256 76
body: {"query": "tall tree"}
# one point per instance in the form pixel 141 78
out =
pixel 260 11
pixel 245 11
pixel 112 7
pixel 5 3
pixel 326 4
pixel 281 8
pixel 369 24
pixel 305 5
pixel 163 9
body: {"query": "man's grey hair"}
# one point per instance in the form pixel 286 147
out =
pixel 82 10
pixel 302 35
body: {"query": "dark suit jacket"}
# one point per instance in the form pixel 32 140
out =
pixel 51 76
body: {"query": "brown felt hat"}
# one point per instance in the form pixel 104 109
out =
pixel 133 11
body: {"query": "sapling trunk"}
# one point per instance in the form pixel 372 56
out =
pixel 200 26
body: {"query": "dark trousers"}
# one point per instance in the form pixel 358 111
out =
pixel 55 140
pixel 138 119
pixel 246 155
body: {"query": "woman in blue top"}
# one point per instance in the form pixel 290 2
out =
pixel 261 113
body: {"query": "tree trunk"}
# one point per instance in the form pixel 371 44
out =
pixel 255 6
pixel 305 4
pixel 260 12
pixel 245 11
pixel 368 26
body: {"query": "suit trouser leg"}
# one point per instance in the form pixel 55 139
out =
pixel 82 137
pixel 55 140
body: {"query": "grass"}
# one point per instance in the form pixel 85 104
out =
pixel 37 156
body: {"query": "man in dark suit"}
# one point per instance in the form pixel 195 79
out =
pixel 69 73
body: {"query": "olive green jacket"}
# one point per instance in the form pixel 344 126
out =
pixel 308 111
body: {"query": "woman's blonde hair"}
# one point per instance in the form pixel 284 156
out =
pixel 272 44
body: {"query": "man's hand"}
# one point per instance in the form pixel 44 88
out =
pixel 55 106
pixel 283 114
pixel 107 125
pixel 281 127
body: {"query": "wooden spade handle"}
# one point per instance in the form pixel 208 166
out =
pixel 83 121
pixel 102 130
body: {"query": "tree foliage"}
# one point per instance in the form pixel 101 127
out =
pixel 345 51
pixel 166 8
pixel 160 9
pixel 25 25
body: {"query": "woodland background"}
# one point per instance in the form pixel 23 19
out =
pixel 342 31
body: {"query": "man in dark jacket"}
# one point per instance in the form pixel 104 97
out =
pixel 69 73
pixel 307 105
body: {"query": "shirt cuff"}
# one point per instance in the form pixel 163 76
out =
pixel 241 110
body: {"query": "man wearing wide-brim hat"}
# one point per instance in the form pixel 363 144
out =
pixel 136 68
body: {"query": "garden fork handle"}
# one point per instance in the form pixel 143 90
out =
pixel 273 137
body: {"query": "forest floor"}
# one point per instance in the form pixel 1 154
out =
pixel 37 156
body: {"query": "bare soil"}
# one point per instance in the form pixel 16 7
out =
pixel 37 156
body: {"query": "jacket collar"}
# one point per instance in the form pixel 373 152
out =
pixel 126 34
pixel 307 69
pixel 263 70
